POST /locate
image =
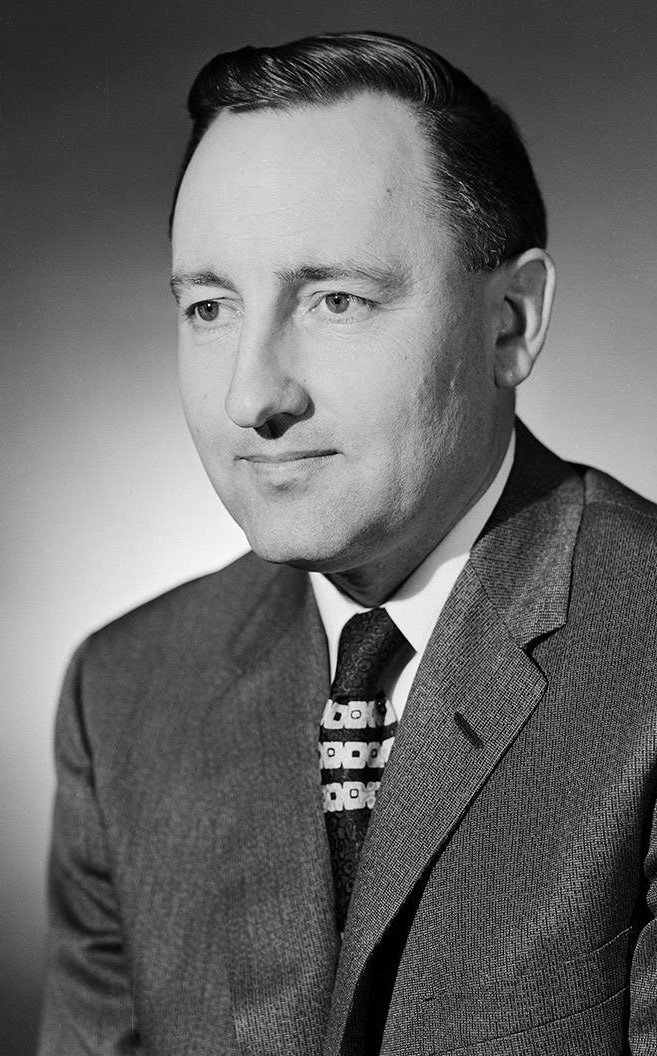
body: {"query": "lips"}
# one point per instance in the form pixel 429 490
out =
pixel 285 456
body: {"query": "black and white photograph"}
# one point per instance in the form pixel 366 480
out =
pixel 329 534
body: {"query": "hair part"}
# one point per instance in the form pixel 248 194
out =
pixel 484 182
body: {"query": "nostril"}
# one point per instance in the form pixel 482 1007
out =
pixel 276 426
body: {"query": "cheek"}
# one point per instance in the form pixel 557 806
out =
pixel 426 392
pixel 431 411
pixel 203 388
pixel 402 437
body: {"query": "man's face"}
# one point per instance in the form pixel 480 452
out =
pixel 336 360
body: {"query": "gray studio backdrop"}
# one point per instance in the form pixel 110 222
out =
pixel 103 501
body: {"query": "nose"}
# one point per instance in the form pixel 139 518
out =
pixel 264 390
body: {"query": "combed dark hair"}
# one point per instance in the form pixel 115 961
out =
pixel 486 186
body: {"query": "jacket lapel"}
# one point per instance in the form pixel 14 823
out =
pixel 279 900
pixel 474 690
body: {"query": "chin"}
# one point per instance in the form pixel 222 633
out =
pixel 309 550
pixel 308 557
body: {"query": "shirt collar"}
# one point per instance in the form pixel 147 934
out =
pixel 417 604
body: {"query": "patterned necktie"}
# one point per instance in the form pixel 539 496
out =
pixel 355 738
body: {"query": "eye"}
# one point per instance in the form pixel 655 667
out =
pixel 206 311
pixel 338 303
pixel 212 315
pixel 343 307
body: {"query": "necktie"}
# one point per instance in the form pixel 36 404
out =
pixel 355 738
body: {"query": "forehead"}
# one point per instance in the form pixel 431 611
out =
pixel 351 172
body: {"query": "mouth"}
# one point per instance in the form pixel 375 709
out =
pixel 285 457
pixel 286 471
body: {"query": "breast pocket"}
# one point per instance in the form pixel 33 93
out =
pixel 542 1006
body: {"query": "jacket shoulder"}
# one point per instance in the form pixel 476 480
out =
pixel 164 655
pixel 604 491
pixel 616 554
pixel 622 523
pixel 194 613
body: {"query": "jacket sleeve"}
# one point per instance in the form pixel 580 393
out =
pixel 88 1007
pixel 643 975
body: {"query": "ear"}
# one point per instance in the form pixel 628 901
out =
pixel 524 296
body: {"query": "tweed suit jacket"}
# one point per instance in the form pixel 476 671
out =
pixel 506 893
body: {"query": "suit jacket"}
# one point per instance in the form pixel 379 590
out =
pixel 506 893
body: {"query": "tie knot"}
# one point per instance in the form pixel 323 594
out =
pixel 369 644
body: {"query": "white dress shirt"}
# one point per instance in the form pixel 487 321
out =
pixel 418 603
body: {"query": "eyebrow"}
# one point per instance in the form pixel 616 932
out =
pixel 185 280
pixel 390 277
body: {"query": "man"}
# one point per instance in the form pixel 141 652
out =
pixel 360 268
